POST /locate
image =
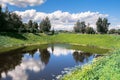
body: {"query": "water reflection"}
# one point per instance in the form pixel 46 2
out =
pixel 9 62
pixel 60 51
pixel 80 56
pixel 41 63
pixel 45 55
pixel 19 66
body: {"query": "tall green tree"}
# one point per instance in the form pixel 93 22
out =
pixel 99 25
pixel 45 25
pixel 0 9
pixel 1 17
pixel 3 20
pixel 105 25
pixel 9 22
pixel 83 26
pixel 77 26
pixel 15 22
pixel 102 25
pixel 35 27
pixel 30 25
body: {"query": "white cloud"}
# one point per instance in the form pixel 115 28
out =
pixel 22 3
pixel 114 27
pixel 61 20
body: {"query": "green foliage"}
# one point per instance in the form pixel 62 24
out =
pixel 118 31
pixel 80 27
pixel 102 25
pixel 9 21
pixel 104 68
pixel 45 25
pixel 89 30
pixel 112 31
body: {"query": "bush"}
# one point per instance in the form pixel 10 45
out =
pixel 90 30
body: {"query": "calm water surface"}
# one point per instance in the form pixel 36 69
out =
pixel 41 63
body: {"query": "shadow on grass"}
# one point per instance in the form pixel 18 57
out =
pixel 13 35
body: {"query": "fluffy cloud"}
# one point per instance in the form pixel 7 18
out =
pixel 114 27
pixel 22 3
pixel 61 20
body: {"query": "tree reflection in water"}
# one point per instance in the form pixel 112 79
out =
pixel 81 56
pixel 44 55
pixel 9 62
pixel 16 61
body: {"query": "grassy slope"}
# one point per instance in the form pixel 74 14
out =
pixel 102 69
pixel 105 68
pixel 106 41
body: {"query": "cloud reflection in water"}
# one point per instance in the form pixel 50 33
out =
pixel 19 73
pixel 59 51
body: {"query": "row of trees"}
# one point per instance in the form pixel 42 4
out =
pixel 34 27
pixel 81 27
pixel 11 22
pixel 102 26
pixel 114 31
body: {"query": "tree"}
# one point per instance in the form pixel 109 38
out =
pixel 102 25
pixel 35 27
pixel 3 21
pixel 80 27
pixel 112 31
pixel 30 25
pixel 45 25
pixel 53 31
pixel 105 25
pixel 99 25
pixel 0 9
pixel 77 26
pixel 1 17
pixel 90 30
pixel 83 26
pixel 25 27
pixel 9 22
pixel 15 21
pixel 118 31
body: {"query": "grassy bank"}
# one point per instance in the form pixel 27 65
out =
pixel 105 68
pixel 106 41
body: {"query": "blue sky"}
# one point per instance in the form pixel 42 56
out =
pixel 104 7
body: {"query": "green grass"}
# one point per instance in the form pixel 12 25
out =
pixel 104 68
pixel 105 41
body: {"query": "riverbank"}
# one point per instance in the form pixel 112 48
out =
pixel 102 69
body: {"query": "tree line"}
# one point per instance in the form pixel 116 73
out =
pixel 102 27
pixel 11 22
